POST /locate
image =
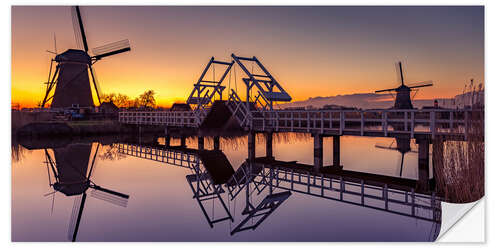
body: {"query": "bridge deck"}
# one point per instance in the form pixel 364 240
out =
pixel 450 124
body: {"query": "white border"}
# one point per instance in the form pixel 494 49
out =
pixel 492 81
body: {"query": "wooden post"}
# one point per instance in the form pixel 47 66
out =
pixel 336 151
pixel 433 123
pixel 251 145
pixel 201 143
pixel 342 122
pixel 269 144
pixel 216 143
pixel 167 141
pixel 423 164
pixel 183 141
pixel 318 152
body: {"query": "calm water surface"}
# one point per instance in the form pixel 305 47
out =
pixel 162 207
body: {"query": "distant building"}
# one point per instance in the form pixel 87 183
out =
pixel 108 108
pixel 180 107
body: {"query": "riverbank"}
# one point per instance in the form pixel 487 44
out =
pixel 81 128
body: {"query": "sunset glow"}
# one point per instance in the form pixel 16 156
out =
pixel 311 51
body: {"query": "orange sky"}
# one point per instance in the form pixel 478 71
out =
pixel 321 51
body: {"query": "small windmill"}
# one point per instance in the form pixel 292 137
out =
pixel 70 77
pixel 70 177
pixel 403 99
pixel 403 146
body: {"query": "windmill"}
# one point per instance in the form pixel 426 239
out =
pixel 70 176
pixel 70 77
pixel 403 146
pixel 403 100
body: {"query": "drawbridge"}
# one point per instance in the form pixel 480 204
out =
pixel 256 110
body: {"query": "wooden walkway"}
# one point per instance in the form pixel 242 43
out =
pixel 378 123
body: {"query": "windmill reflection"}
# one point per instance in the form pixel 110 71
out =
pixel 403 146
pixel 265 184
pixel 69 173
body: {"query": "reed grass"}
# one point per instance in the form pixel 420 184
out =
pixel 459 165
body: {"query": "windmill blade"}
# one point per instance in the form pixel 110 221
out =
pixel 76 28
pixel 385 147
pixel 97 87
pixel 55 43
pixel 111 49
pixel 422 84
pixel 109 191
pixel 81 39
pixel 385 90
pixel 399 70
pixel 93 162
pixel 76 216
pixel 118 200
pixel 401 167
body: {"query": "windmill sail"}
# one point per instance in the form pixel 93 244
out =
pixel 76 28
pixel 403 100
pixel 111 49
pixel 73 86
pixel 422 84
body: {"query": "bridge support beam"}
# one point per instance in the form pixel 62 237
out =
pixel 201 143
pixel 183 141
pixel 216 143
pixel 318 152
pixel 251 146
pixel 167 141
pixel 336 151
pixel 269 144
pixel 423 164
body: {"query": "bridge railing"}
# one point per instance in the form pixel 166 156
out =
pixel 411 204
pixel 383 122
pixel 167 118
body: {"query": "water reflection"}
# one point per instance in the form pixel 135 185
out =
pixel 238 198
pixel 403 146
pixel 69 173
pixel 260 178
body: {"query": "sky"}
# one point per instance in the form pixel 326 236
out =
pixel 311 51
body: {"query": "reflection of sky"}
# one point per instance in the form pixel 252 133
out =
pixel 161 205
pixel 312 51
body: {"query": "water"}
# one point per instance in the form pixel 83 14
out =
pixel 161 204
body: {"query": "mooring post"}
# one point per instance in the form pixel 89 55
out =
pixel 201 143
pixel 318 152
pixel 251 145
pixel 336 150
pixel 269 144
pixel 423 164
pixel 216 143
pixel 183 141
pixel 167 141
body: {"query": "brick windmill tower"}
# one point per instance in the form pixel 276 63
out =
pixel 403 99
pixel 70 77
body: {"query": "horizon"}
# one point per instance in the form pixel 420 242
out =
pixel 343 50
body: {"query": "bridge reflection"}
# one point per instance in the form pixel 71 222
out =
pixel 265 184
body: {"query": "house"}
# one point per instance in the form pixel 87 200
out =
pixel 108 108
pixel 180 107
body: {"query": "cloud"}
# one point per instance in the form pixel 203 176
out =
pixel 358 100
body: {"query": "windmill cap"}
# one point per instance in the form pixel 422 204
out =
pixel 74 55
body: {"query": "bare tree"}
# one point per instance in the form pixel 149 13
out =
pixel 147 99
